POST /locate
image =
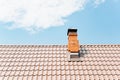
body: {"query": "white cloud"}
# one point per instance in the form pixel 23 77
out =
pixel 34 15
pixel 97 2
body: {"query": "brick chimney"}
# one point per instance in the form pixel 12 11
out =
pixel 73 45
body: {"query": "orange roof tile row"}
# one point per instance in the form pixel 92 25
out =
pixel 49 62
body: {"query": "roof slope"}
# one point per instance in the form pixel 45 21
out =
pixel 49 62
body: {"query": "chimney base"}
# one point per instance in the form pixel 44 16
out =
pixel 73 56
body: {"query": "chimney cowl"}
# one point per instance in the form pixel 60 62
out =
pixel 71 30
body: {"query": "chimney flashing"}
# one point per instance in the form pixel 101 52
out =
pixel 73 56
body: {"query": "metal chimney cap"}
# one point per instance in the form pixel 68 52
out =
pixel 71 30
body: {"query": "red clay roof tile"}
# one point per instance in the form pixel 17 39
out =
pixel 48 62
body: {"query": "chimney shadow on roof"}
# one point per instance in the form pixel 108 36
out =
pixel 82 52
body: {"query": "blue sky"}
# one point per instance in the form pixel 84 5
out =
pixel 96 24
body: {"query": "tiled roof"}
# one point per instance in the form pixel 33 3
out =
pixel 49 62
